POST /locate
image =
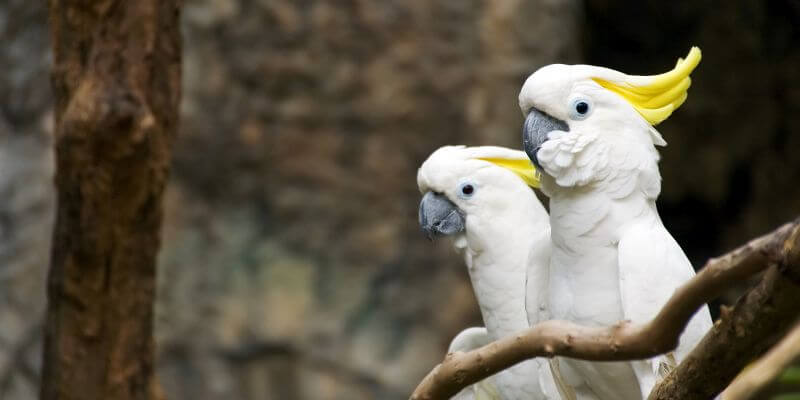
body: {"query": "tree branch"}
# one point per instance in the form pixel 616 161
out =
pixel 623 341
pixel 768 368
pixel 758 320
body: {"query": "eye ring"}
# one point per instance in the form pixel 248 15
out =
pixel 466 190
pixel 580 108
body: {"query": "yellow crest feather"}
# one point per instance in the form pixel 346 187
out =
pixel 655 97
pixel 522 167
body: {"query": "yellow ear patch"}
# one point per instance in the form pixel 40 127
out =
pixel 522 167
pixel 655 97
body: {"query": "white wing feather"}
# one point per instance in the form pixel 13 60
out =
pixel 469 339
pixel 466 340
pixel 651 266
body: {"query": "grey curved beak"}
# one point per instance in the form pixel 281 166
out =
pixel 438 216
pixel 534 132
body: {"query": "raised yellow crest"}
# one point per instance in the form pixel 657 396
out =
pixel 655 97
pixel 522 167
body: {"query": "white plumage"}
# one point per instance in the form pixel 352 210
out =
pixel 503 222
pixel 591 131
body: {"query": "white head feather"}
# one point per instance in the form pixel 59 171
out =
pixel 501 199
pixel 615 136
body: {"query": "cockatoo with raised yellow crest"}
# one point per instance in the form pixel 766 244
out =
pixel 480 197
pixel 590 131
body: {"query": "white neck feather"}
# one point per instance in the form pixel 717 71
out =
pixel 496 255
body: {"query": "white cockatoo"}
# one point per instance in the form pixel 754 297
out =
pixel 480 196
pixel 590 132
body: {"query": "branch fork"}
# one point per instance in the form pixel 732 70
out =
pixel 625 340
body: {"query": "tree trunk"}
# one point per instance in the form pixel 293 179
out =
pixel 116 79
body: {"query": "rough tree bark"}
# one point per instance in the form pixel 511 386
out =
pixel 755 323
pixel 754 381
pixel 116 80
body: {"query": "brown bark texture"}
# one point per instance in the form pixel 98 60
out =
pixel 754 382
pixel 754 324
pixel 759 319
pixel 116 81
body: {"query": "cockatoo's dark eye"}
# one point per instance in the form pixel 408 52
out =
pixel 580 108
pixel 466 190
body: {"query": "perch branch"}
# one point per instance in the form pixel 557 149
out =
pixel 622 341
pixel 768 368
pixel 743 333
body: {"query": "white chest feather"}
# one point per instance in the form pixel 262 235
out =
pixel 584 276
pixel 499 285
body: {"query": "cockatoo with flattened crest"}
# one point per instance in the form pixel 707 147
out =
pixel 480 197
pixel 590 130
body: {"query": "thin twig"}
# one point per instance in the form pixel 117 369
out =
pixel 768 368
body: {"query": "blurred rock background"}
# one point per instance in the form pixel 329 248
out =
pixel 292 266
